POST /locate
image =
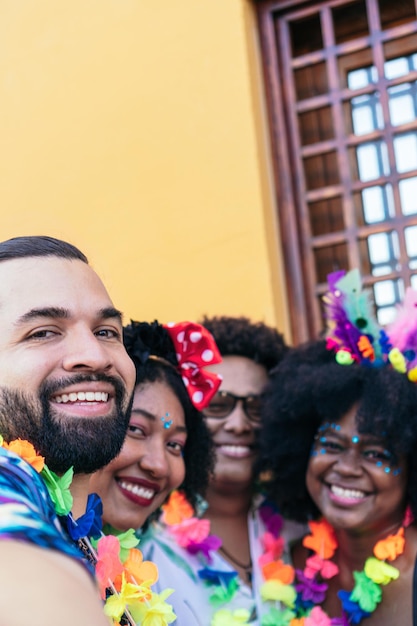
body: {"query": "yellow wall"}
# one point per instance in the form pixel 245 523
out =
pixel 135 129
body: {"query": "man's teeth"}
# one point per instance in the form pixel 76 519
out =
pixel 349 494
pixel 82 396
pixel 137 490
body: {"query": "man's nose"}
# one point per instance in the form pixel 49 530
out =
pixel 85 351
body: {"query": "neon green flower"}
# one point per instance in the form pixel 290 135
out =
pixel 58 487
pixel 224 617
pixel 277 617
pixel 365 592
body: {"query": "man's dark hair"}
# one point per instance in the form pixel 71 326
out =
pixel 39 245
pixel 239 336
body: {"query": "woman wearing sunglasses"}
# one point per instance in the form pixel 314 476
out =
pixel 213 561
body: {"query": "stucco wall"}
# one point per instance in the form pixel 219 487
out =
pixel 135 129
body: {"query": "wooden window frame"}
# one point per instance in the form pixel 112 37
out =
pixel 296 236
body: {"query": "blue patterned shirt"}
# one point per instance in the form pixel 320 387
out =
pixel 26 511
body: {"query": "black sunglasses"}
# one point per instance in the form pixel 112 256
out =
pixel 224 402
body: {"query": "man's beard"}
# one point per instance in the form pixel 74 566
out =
pixel 84 443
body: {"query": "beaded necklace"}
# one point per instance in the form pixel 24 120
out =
pixel 123 577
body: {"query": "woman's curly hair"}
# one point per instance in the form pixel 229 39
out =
pixel 144 341
pixel 308 388
pixel 239 336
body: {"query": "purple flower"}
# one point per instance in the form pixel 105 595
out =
pixel 271 519
pixel 340 621
pixel 210 543
pixel 310 589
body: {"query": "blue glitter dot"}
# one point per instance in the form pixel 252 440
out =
pixel 323 439
pixel 379 463
pixel 387 470
pixel 355 439
pixel 322 451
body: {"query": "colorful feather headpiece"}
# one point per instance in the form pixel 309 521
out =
pixel 354 333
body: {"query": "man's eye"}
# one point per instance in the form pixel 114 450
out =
pixel 42 334
pixel 108 333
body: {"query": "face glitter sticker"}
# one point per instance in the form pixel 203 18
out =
pixel 167 422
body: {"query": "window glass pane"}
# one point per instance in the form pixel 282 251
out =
pixel 408 195
pixel 366 114
pixel 386 315
pixel 402 103
pixel 356 79
pixel 372 160
pixel 387 293
pixel 405 148
pixel 396 67
pixel 411 245
pixel 378 204
pixel 383 253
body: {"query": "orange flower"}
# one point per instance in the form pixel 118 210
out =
pixel 138 570
pixel 365 348
pixel 297 622
pixel 278 570
pixel 26 451
pixel 177 509
pixel 322 540
pixel 391 547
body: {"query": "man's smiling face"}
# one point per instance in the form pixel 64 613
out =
pixel 65 377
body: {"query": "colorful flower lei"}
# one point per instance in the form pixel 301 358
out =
pixel 193 534
pixel 293 595
pixel 302 599
pixel 124 578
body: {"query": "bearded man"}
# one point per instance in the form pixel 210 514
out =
pixel 65 386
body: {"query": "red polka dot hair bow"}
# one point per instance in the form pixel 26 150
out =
pixel 195 348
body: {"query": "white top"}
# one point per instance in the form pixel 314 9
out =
pixel 178 570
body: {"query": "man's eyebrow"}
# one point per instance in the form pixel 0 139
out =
pixel 110 313
pixel 53 312
pixel 50 312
